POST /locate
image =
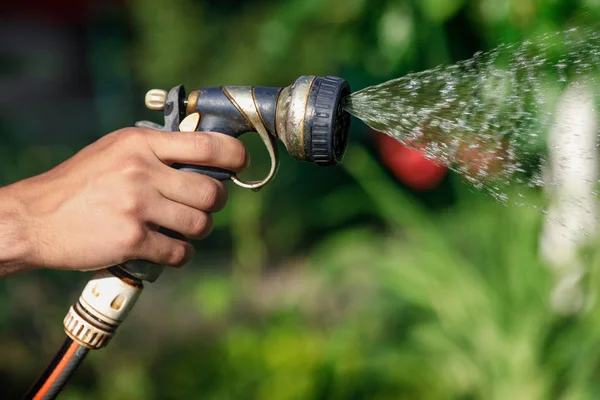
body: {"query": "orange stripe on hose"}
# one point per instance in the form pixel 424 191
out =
pixel 57 371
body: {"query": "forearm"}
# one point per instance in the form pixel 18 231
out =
pixel 14 234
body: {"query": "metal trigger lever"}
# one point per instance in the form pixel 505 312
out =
pixel 243 99
pixel 191 122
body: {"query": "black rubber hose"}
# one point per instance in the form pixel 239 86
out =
pixel 57 373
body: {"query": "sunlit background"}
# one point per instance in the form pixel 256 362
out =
pixel 386 278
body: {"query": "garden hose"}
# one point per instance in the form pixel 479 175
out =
pixel 57 373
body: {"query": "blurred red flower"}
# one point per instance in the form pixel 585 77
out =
pixel 410 166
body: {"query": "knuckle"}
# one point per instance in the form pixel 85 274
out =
pixel 129 135
pixel 178 255
pixel 119 133
pixel 132 205
pixel 222 197
pixel 133 167
pixel 132 238
pixel 198 224
pixel 210 193
pixel 239 155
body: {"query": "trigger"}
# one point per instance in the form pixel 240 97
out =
pixel 243 99
pixel 190 123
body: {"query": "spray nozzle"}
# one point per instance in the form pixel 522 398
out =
pixel 306 116
pixel 310 120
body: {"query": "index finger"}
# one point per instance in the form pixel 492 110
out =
pixel 199 148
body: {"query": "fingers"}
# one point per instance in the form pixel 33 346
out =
pixel 163 250
pixel 167 250
pixel 190 222
pixel 195 190
pixel 180 201
pixel 199 148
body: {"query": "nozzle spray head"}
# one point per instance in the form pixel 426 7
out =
pixel 310 120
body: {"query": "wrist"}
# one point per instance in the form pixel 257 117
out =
pixel 15 240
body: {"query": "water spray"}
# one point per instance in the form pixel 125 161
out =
pixel 487 117
pixel 306 116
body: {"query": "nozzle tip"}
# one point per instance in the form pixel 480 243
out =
pixel 328 124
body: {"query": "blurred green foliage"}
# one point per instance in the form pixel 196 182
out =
pixel 330 283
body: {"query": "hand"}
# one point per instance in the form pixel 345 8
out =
pixel 104 205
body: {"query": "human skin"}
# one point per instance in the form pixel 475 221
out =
pixel 103 206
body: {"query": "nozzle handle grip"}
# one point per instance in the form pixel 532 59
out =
pixel 215 173
pixel 174 113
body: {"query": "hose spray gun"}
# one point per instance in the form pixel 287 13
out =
pixel 306 116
